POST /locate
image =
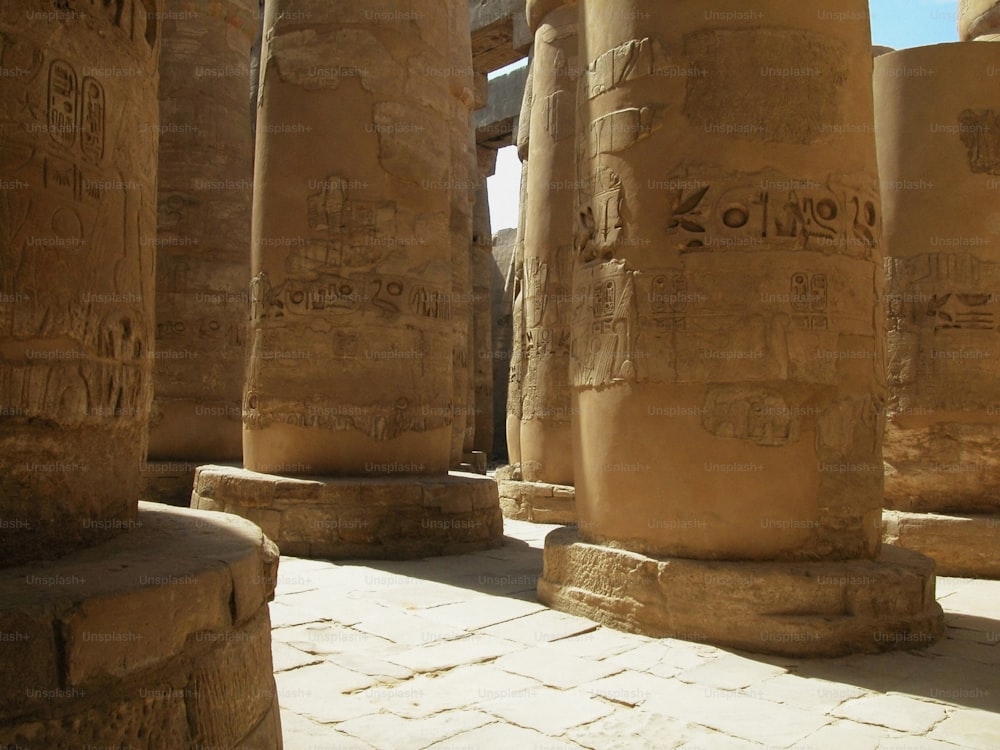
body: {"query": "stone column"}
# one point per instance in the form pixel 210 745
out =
pixel 542 491
pixel 151 627
pixel 203 243
pixel 938 129
pixel 727 349
pixel 482 263
pixel 978 19
pixel 352 316
pixel 517 305
pixel 77 254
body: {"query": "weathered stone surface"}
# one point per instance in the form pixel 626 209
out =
pixel 78 145
pixel 125 642
pixel 726 365
pixel 205 194
pixel 372 518
pixel 539 502
pixel 960 545
pixel 500 34
pixel 502 292
pixel 795 609
pixel 978 19
pixel 550 192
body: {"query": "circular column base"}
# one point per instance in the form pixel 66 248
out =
pixel 791 609
pixel 169 482
pixel 967 546
pixel 538 502
pixel 371 517
pixel 159 638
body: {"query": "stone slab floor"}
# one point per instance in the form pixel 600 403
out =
pixel 457 653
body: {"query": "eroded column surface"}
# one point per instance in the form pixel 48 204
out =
pixel 727 345
pixel 203 235
pixel 78 132
pixel 546 451
pixel 938 129
pixel 482 265
pixel 351 359
pixel 978 18
pixel 361 240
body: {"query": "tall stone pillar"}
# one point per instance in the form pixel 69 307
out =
pixel 523 139
pixel 727 348
pixel 350 378
pixel 978 19
pixel 203 243
pixel 938 129
pixel 542 490
pixel 125 623
pixel 482 264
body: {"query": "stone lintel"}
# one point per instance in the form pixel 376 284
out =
pixel 161 632
pixel 372 517
pixel 966 546
pixel 496 122
pixel 791 609
pixel 500 33
pixel 537 502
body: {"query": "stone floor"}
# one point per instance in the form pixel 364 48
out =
pixel 457 653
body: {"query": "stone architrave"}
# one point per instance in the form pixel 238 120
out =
pixel 727 363
pixel 150 628
pixel 938 130
pixel 540 488
pixel 978 19
pixel 77 230
pixel 351 378
pixel 205 192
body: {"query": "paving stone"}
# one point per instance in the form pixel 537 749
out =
pixel 420 595
pixel 627 688
pixel 426 695
pixel 330 638
pixel 814 695
pixel 285 657
pixel 541 627
pixel 970 729
pixel 598 644
pixel 300 733
pixel 408 629
pixel 702 738
pixel 898 712
pixel 502 735
pixel 435 657
pixel 845 734
pixel 546 710
pixel 629 730
pixel 285 615
pixel 348 609
pixel 311 690
pixel 391 731
pixel 730 672
pixel 482 612
pixel 383 671
pixel 740 716
pixel 555 668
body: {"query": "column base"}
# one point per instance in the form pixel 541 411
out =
pixel 169 482
pixel 158 638
pixel 789 609
pixel 537 501
pixel 961 545
pixel 372 517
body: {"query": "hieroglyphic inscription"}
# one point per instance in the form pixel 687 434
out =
pixel 804 215
pixel 943 291
pixel 810 300
pixel 600 219
pixel 627 62
pixel 980 132
pixel 355 233
pixel 604 318
pixel 619 130
pixel 759 416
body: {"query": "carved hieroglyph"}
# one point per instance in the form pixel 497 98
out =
pixel 727 355
pixel 78 134
pixel 352 335
pixel 545 438
pixel 203 241
pixel 939 157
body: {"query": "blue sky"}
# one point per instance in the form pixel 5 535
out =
pixel 895 23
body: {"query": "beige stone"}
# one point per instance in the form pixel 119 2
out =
pixel 937 129
pixel 78 195
pixel 539 502
pixel 960 545
pixel 204 194
pixel 798 609
pixel 978 18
